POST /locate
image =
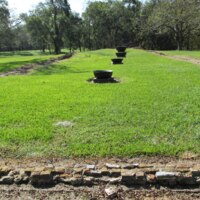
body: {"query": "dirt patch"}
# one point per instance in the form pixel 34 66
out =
pixel 34 161
pixel 93 193
pixel 25 69
pixel 181 58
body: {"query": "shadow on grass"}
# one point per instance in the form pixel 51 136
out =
pixel 16 53
pixel 6 67
pixel 26 53
pixel 56 69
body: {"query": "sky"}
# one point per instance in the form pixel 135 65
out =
pixel 20 6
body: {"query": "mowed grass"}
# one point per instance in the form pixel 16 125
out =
pixel 192 54
pixel 12 60
pixel 154 110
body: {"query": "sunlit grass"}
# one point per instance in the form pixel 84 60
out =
pixel 154 110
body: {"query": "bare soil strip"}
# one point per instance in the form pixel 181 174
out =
pixel 25 69
pixel 181 58
pixel 92 193
pixel 25 162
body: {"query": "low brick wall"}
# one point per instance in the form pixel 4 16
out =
pixel 129 174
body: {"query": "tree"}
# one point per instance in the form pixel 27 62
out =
pixel 180 17
pixel 5 32
pixel 48 22
pixel 73 34
pixel 111 23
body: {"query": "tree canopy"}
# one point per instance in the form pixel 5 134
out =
pixel 155 24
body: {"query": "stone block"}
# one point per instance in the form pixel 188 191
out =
pixel 111 192
pixel 77 181
pixel 115 180
pixel 28 171
pixel 105 171
pixel 39 169
pixel 93 173
pixel 88 181
pixel 130 166
pixel 112 166
pixel 49 167
pixel 170 168
pixel 78 171
pixel 115 172
pixel 151 178
pixel 186 179
pixel 162 175
pixel 140 178
pixel 7 180
pixel 43 178
pixel 167 178
pixel 197 180
pixel 4 170
pixel 143 165
pixel 90 167
pixel 149 170
pixel 58 170
pixel 195 170
pixel 128 177
pixel 183 168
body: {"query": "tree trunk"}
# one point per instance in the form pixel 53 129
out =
pixel 57 46
pixel 179 41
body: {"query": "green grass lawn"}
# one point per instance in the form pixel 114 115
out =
pixel 154 110
pixel 12 60
pixel 193 54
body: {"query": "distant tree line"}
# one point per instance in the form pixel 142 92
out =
pixel 155 24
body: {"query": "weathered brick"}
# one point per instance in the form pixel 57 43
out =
pixel 143 165
pixel 88 181
pixel 170 168
pixel 41 178
pixel 65 175
pixel 28 171
pixel 151 178
pixel 140 178
pixel 115 180
pixel 7 180
pixel 21 179
pixel 128 176
pixel 162 175
pixel 111 192
pixel 104 179
pixel 115 172
pixel 77 181
pixel 130 166
pixel 105 171
pixel 166 178
pixel 94 173
pixel 39 169
pixel 112 166
pixel 91 167
pixel 49 167
pixel 149 170
pixel 197 180
pixel 58 170
pixel 78 170
pixel 195 170
pixel 4 170
pixel 186 179
pixel 183 168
